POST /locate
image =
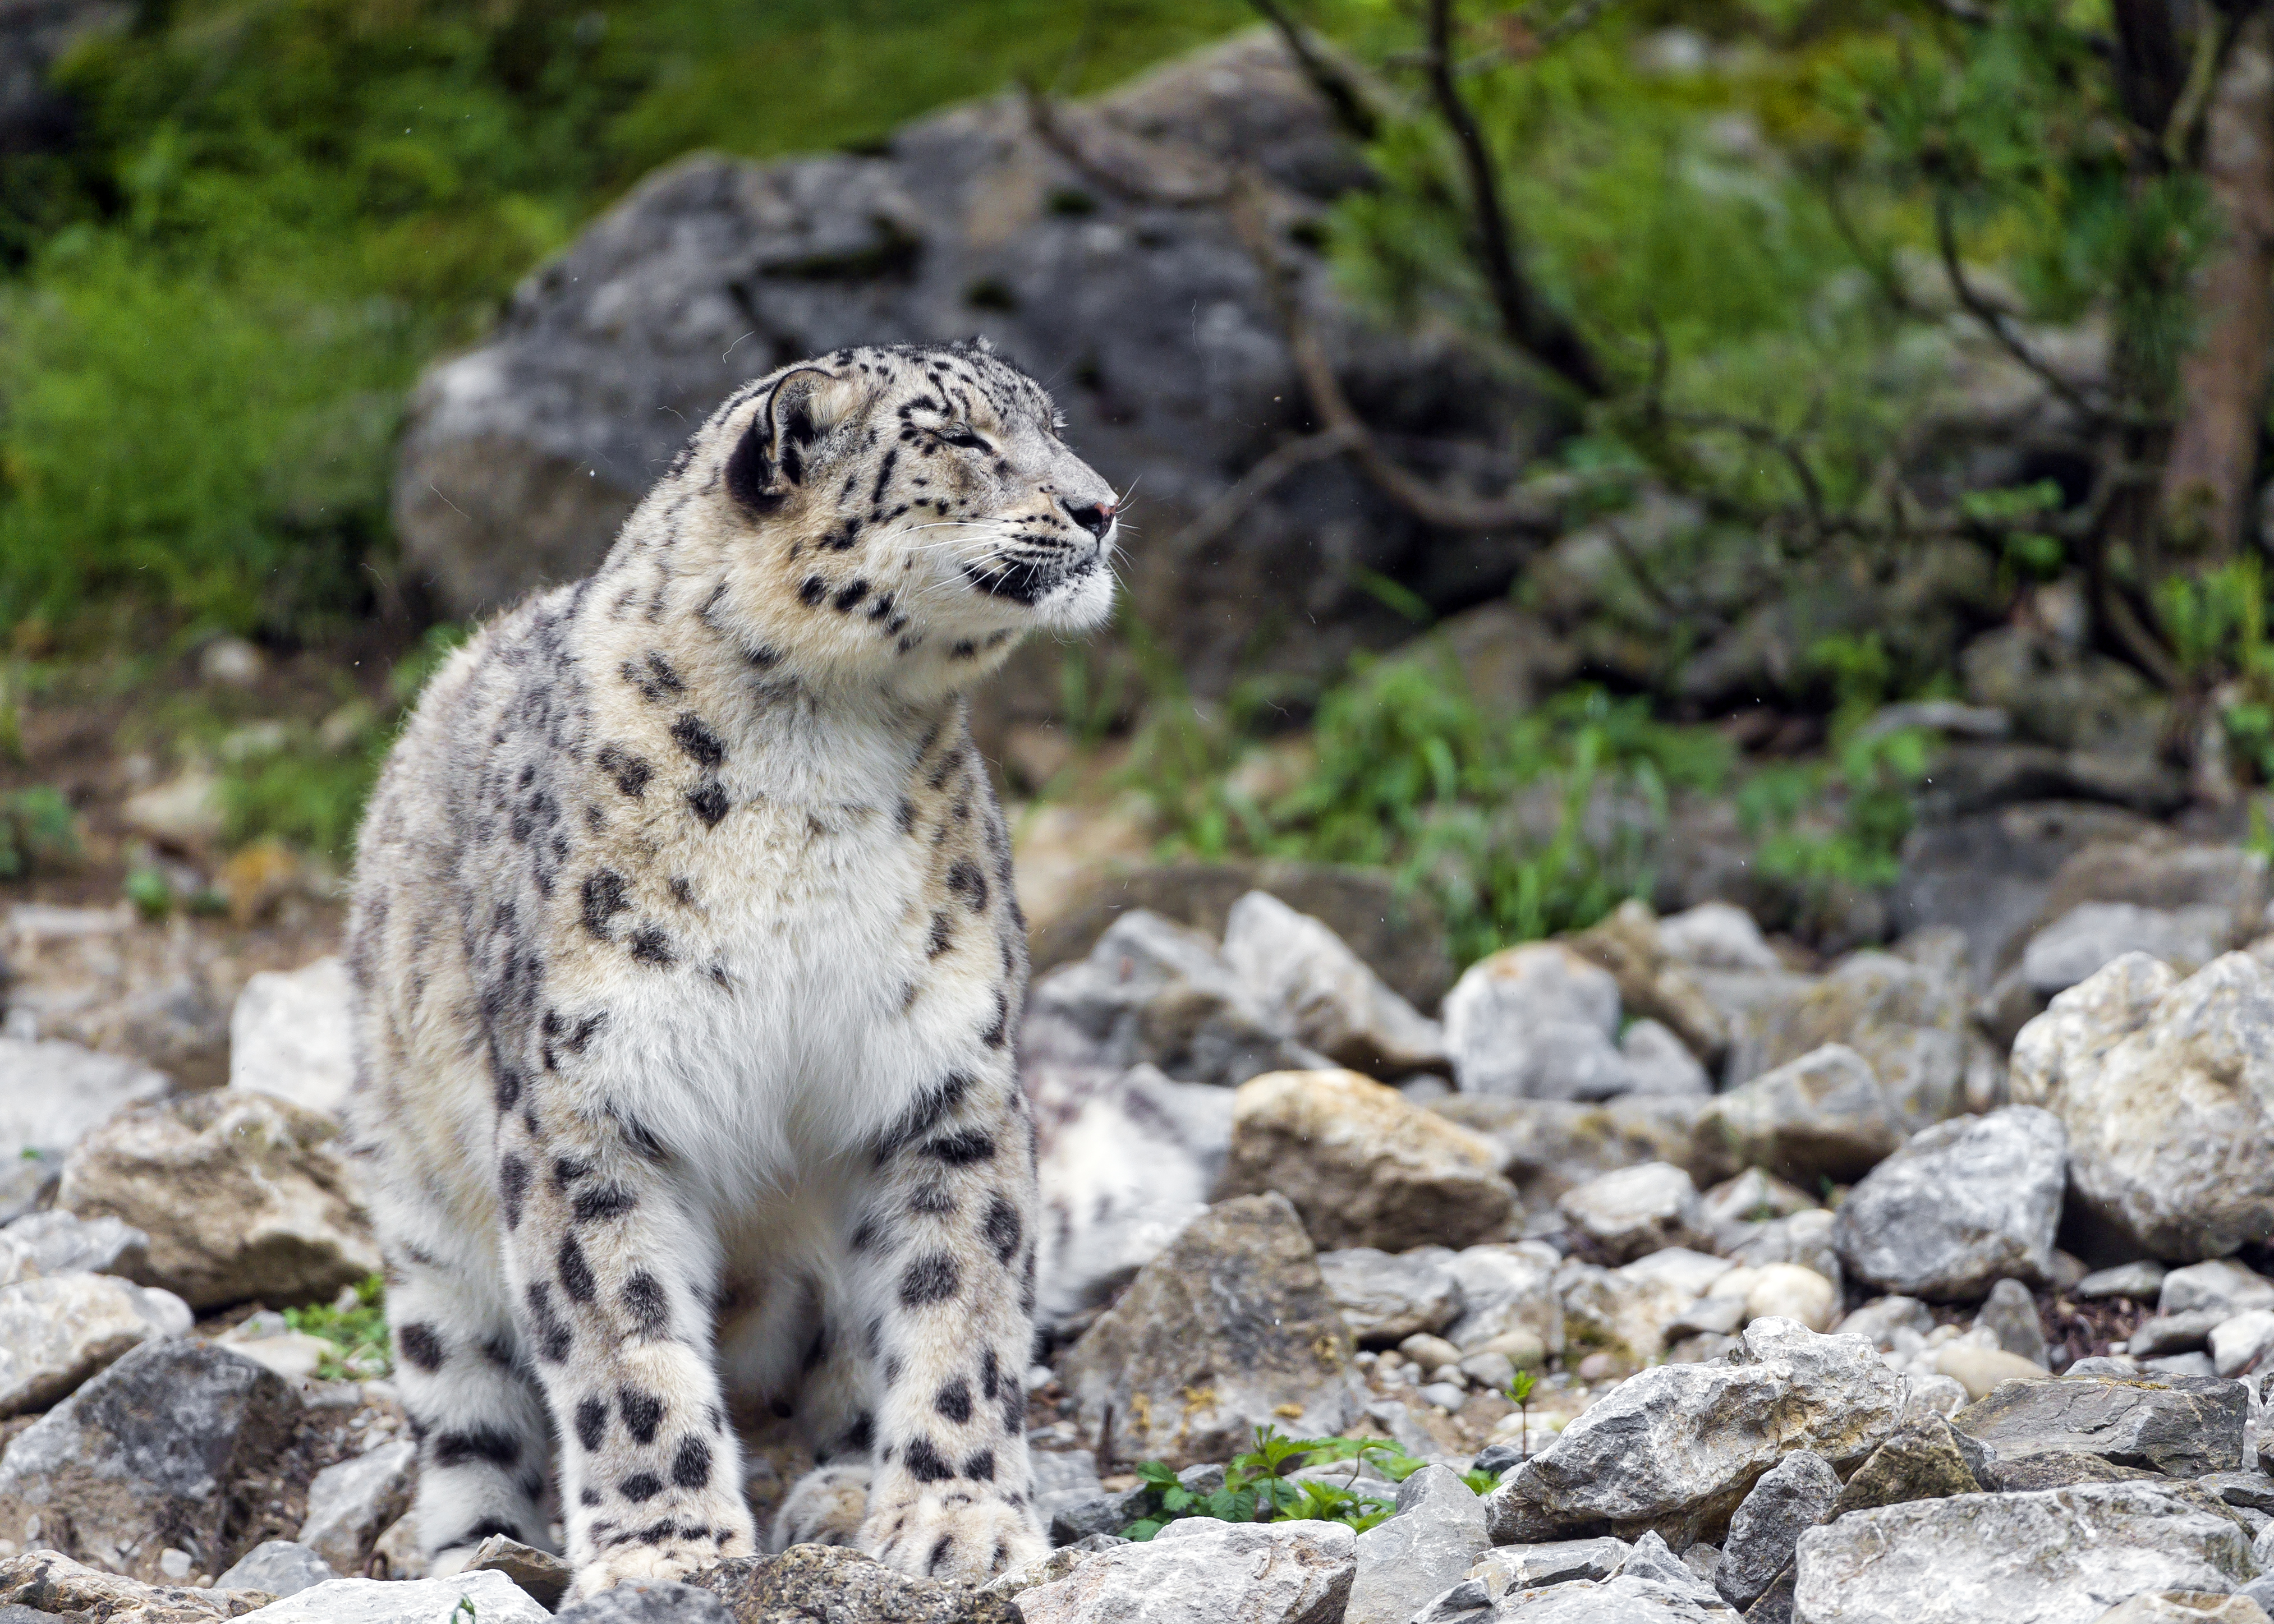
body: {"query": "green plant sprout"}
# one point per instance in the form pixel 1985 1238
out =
pixel 358 1332
pixel 1519 1394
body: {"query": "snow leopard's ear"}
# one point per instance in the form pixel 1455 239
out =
pixel 801 408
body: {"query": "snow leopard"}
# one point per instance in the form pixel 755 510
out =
pixel 687 973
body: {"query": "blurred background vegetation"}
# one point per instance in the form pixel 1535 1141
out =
pixel 1729 224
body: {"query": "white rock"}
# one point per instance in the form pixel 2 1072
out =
pixel 2141 1282
pixel 496 1600
pixel 1788 1291
pixel 1536 1022
pixel 1715 936
pixel 1507 1289
pixel 2046 1557
pixel 350 1504
pixel 58 1330
pixel 279 1567
pixel 2093 933
pixel 57 1242
pixel 1963 1204
pixel 2239 1345
pixel 1879 1318
pixel 184 811
pixel 1660 1063
pixel 1637 1210
pixel 2221 1283
pixel 51 1094
pixel 1200 1571
pixel 289 1036
pixel 1436 1536
pixel 1320 992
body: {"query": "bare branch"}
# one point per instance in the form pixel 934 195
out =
pixel 1525 321
pixel 1131 169
pixel 1995 321
pixel 1253 486
pixel 1334 82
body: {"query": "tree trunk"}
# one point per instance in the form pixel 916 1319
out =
pixel 2222 383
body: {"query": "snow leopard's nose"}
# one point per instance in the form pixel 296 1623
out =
pixel 1096 518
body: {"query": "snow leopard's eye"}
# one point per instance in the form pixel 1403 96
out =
pixel 959 435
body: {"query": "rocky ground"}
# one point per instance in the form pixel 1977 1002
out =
pixel 1922 1282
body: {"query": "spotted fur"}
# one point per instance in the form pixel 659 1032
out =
pixel 686 961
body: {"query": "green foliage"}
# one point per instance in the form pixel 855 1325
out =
pixel 37 833
pixel 359 1332
pixel 1256 1489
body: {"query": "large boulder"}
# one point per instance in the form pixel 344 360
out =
pixel 2185 1426
pixel 243 1195
pixel 2164 1087
pixel 1821 1115
pixel 482 1598
pixel 1200 1571
pixel 1792 1497
pixel 58 1330
pixel 1324 995
pixel 1362 1166
pixel 2048 1557
pixel 1536 1022
pixel 1435 1535
pixel 43 1585
pixel 151 1453
pixel 1228 1329
pixel 1677 1449
pixel 1964 1205
pixel 521 458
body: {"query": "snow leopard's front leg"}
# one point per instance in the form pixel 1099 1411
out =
pixel 612 1274
pixel 944 1259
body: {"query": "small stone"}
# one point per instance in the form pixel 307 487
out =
pixel 1200 1571
pixel 1493 1371
pixel 2222 1284
pixel 1735 1208
pixel 58 1330
pixel 242 1196
pixel 350 1504
pixel 540 1573
pixel 1236 1308
pixel 1321 993
pixel 2092 934
pixel 1804 1238
pixel 1933 1395
pixel 1659 1063
pixel 1906 1020
pixel 1924 1461
pixel 1822 1115
pixel 1362 1166
pixel 2239 1345
pixel 1387 1296
pixel 1788 1291
pixel 2250 1488
pixel 1794 1495
pixel 648 1601
pixel 1677 1447
pixel 1536 1022
pixel 57 1242
pixel 289 1036
pixel 1533 1566
pixel 491 1597
pixel 1435 1535
pixel 2055 1469
pixel 1638 1210
pixel 1429 1353
pixel 1980 1370
pixel 280 1567
pixel 1063 1477
pixel 397 1554
pixel 183 812
pixel 1466 1603
pixel 140 1457
pixel 1963 1204
pixel 2140 1282
pixel 1659 986
pixel 2187 1427
pixel 2168 1334
pixel 1626 1312
pixel 42 1586
pixel 2010 1315
pixel 1976 1557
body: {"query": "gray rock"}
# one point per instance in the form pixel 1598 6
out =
pixel 57 1242
pixel 242 1197
pixel 1200 1571
pixel 1962 1205
pixel 2149 868
pixel 1791 1497
pixel 1155 992
pixel 1654 1562
pixel 1660 1063
pixel 2010 1315
pixel 139 1459
pixel 1924 1461
pixel 1989 873
pixel 2093 933
pixel 53 1094
pixel 1128 1159
pixel 2014 1557
pixel 1678 1447
pixel 1806 1238
pixel 2168 1334
pixel 2239 1345
pixel 1095 1515
pixel 350 1504
pixel 1623 1599
pixel 1466 1603
pixel 2172 1364
pixel 1638 1210
pixel 1530 1565
pixel 2166 1093
pixel 2186 1427
pixel 1548 1145
pixel 1822 1115
pixel 541 1574
pixel 280 1567
pixel 2141 1281
pixel 2250 1488
pixel 496 1599
pixel 1877 1320
pixel 2184 1608
pixel 1626 1313
pixel 289 1036
pixel 1235 1308
pixel 2221 1285
pixel 1435 1537
pixel 1388 1297
pixel 39 1585
pixel 1679 1023
pixel 2057 1468
pixel 1536 1022
pixel 1323 994
pixel 1906 1021
pixel 1065 1479
pixel 648 1601
pixel 830 1583
pixel 1364 1167
pixel 58 1330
